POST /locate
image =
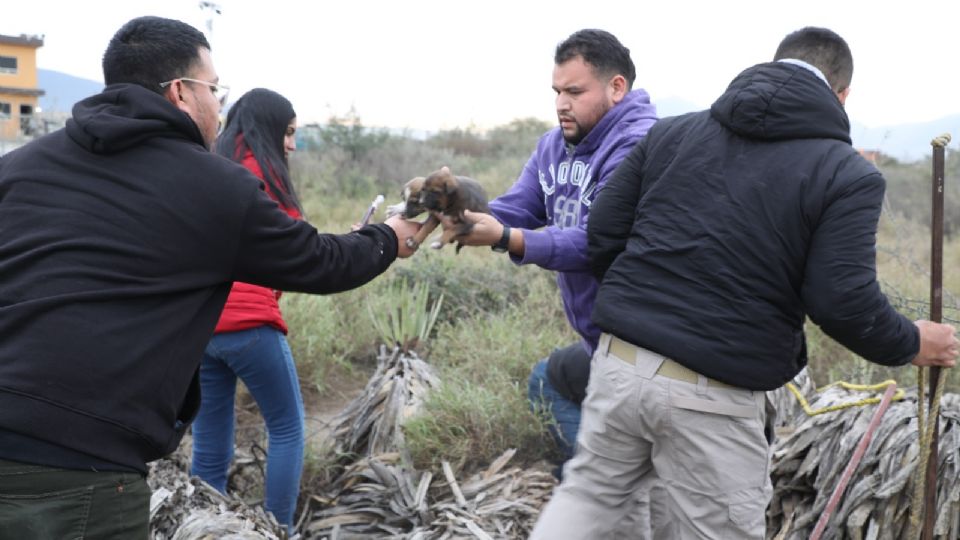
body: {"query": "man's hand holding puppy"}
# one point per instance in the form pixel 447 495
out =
pixel 487 231
pixel 404 229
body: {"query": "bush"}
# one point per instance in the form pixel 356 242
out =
pixel 470 425
pixel 328 333
pixel 484 362
pixel 473 283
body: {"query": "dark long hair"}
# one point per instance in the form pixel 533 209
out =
pixel 258 121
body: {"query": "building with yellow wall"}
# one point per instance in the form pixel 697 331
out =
pixel 19 95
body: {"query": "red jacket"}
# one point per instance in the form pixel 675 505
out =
pixel 249 306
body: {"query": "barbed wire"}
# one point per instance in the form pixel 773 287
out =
pixel 903 252
pixel 914 308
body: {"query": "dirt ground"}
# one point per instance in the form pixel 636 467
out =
pixel 320 408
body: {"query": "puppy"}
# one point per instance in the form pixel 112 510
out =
pixel 449 195
pixel 410 206
pixel 442 193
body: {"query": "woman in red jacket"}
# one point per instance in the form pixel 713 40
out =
pixel 250 340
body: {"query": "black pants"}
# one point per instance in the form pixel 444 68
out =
pixel 41 503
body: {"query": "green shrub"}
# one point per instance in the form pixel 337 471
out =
pixel 474 282
pixel 484 362
pixel 404 316
pixel 329 332
pixel 471 424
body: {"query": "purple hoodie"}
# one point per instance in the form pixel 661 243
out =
pixel 552 198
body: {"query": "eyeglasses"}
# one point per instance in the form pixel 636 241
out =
pixel 218 90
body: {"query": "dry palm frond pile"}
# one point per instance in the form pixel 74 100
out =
pixel 183 507
pixel 808 464
pixel 370 424
pixel 380 497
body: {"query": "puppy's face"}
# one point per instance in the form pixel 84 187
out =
pixel 439 190
pixel 410 207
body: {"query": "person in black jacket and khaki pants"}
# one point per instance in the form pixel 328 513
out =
pixel 120 236
pixel 715 239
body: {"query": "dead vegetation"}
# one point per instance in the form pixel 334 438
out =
pixel 809 461
pixel 183 507
pixel 377 492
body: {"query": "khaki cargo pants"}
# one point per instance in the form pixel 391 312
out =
pixel 702 441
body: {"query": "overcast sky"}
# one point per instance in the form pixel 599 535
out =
pixel 443 64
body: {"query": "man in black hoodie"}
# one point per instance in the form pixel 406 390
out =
pixel 119 238
pixel 714 240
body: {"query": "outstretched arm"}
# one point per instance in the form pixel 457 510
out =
pixel 283 253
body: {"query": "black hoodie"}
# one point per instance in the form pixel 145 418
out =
pixel 119 238
pixel 724 228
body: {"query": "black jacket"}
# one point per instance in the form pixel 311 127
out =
pixel 724 228
pixel 119 238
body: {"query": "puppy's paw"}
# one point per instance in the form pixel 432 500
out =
pixel 436 244
pixel 396 209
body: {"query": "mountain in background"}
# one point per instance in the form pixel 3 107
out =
pixel 905 142
pixel 63 90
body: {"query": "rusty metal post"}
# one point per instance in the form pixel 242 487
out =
pixel 854 462
pixel 936 315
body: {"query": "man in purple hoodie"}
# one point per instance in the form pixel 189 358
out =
pixel 542 218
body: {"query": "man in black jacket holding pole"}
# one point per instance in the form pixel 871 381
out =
pixel 715 239
pixel 119 239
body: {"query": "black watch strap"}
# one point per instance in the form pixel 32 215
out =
pixel 504 243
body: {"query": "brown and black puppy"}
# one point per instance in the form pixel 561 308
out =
pixel 410 206
pixel 441 193
pixel 450 195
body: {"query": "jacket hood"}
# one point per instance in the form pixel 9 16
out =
pixel 124 115
pixel 778 101
pixel 634 107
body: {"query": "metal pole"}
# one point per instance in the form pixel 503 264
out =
pixel 853 463
pixel 936 315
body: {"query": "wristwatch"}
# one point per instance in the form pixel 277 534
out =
pixel 504 243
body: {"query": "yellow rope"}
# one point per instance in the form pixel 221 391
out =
pixel 849 386
pixel 926 420
pixel 917 502
pixel 941 141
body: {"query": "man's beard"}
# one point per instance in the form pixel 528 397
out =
pixel 575 137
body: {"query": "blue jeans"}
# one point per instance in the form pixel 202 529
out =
pixel 566 414
pixel 261 358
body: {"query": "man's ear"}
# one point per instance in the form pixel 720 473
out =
pixel 618 88
pixel 842 95
pixel 174 94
